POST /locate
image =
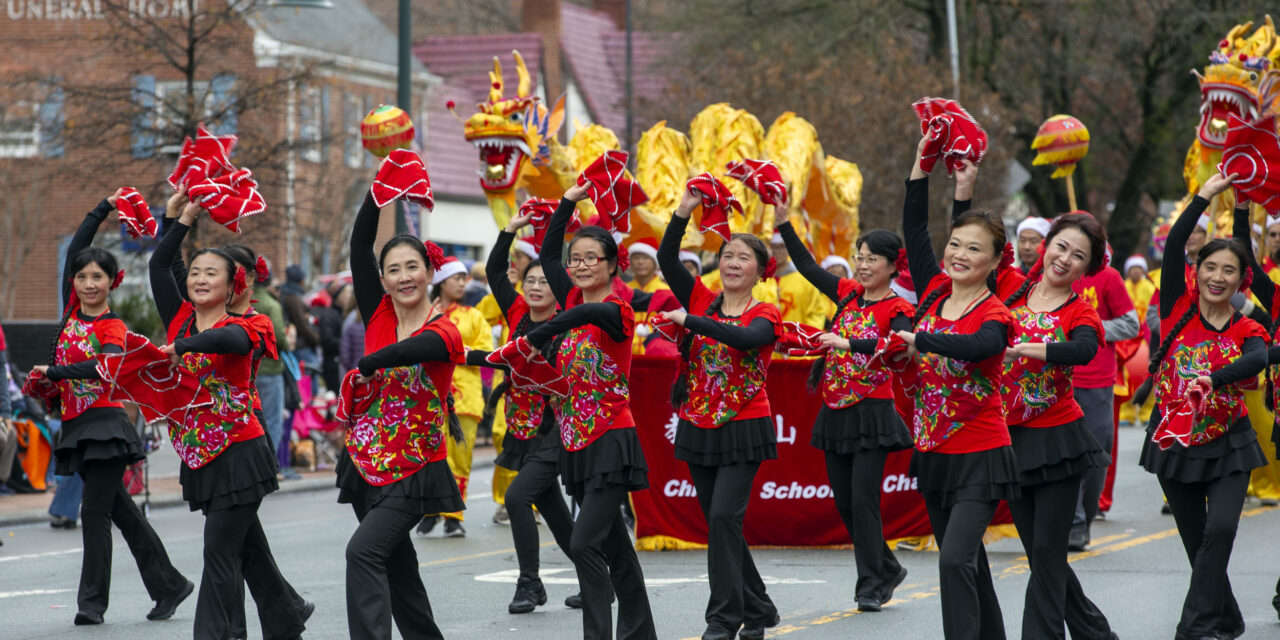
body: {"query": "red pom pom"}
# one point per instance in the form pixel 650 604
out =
pixel 242 280
pixel 901 265
pixel 1246 279
pixel 1006 259
pixel 1224 43
pixel 261 271
pixel 435 255
pixel 119 279
pixel 1243 57
pixel 497 85
pixel 1040 249
pixel 450 105
pixel 770 268
pixel 624 258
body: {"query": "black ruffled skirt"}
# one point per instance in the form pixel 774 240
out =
pixel 1235 451
pixel 947 478
pixel 750 440
pixel 430 490
pixel 1051 454
pixel 516 452
pixel 101 433
pixel 870 424
pixel 613 461
pixel 244 473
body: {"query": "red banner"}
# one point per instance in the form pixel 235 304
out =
pixel 791 503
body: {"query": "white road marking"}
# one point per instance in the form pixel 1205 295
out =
pixel 46 554
pixel 33 592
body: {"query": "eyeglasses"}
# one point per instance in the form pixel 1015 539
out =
pixel 871 260
pixel 589 260
pixel 530 282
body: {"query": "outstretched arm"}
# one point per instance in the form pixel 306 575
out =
pixel 165 287
pixel 682 284
pixel 827 283
pixel 231 339
pixel 83 238
pixel 753 336
pixel 606 315
pixel 364 264
pixel 987 341
pixel 427 346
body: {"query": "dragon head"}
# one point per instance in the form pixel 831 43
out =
pixel 511 134
pixel 1232 81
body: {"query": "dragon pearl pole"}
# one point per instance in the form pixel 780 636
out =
pixel 955 48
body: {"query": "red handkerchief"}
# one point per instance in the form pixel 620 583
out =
pixel 529 370
pixel 887 351
pixel 229 198
pixel 143 375
pixel 135 214
pixel 953 133
pixel 208 156
pixel 38 386
pixel 800 340
pixel 542 209
pixel 716 202
pixel 403 176
pixel 1252 150
pixel 666 328
pixel 354 399
pixel 1180 418
pixel 611 191
pixel 762 177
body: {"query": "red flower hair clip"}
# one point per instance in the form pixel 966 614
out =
pixel 1006 259
pixel 624 258
pixel 770 268
pixel 261 271
pixel 118 280
pixel 1246 279
pixel 435 255
pixel 241 280
pixel 901 265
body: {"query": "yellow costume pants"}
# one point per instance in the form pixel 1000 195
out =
pixel 1264 482
pixel 1128 412
pixel 502 477
pixel 460 457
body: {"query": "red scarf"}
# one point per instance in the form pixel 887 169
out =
pixel 953 134
pixel 716 202
pixel 1252 150
pixel 135 214
pixel 229 198
pixel 208 156
pixel 762 177
pixel 540 211
pixel 144 375
pixel 1180 417
pixel 529 369
pixel 800 340
pixel 402 176
pixel 613 193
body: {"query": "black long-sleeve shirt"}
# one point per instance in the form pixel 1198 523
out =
pixel 606 315
pixel 1173 283
pixel 1252 360
pixel 495 269
pixel 82 239
pixel 232 339
pixel 825 281
pixel 915 232
pixel 989 340
pixel 1080 348
pixel 552 249
pixel 427 346
pixel 366 281
pixel 164 284
pixel 178 266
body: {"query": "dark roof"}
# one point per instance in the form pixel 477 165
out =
pixel 348 29
pixel 452 162
pixel 596 53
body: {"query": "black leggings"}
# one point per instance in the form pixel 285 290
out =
pixel 1207 514
pixel 855 484
pixel 383 582
pixel 232 537
pixel 106 502
pixel 535 484
pixel 1054 596
pixel 738 594
pixel 602 552
pixel 970 610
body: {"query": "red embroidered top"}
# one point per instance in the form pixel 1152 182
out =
pixel 958 406
pixel 1199 350
pixel 267 339
pixel 82 340
pixel 725 383
pixel 204 434
pixel 401 416
pixel 523 408
pixel 1038 393
pixel 597 368
pixel 847 378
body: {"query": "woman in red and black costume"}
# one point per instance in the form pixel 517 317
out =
pixel 1057 330
pixel 858 426
pixel 532 444
pixel 726 426
pixel 602 461
pixel 98 439
pixel 227 464
pixel 964 462
pixel 400 410
pixel 1209 351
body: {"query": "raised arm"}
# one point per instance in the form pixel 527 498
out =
pixel 827 283
pixel 682 284
pixel 915 232
pixel 364 264
pixel 165 287
pixel 1261 286
pixel 495 269
pixel 83 238
pixel 553 251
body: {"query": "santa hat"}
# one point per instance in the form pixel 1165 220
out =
pixel 645 247
pixel 1135 261
pixel 834 259
pixel 1036 224
pixel 776 239
pixel 1203 223
pixel 689 256
pixel 526 247
pixel 451 267
pixel 1272 221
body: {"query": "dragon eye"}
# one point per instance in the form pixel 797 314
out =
pixel 1253 76
pixel 517 117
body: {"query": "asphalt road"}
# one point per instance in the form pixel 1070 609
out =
pixel 1135 570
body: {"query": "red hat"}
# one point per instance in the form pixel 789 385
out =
pixel 645 247
pixel 451 266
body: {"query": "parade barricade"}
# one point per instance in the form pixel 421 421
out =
pixel 791 503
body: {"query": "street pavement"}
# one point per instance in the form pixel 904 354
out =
pixel 1135 570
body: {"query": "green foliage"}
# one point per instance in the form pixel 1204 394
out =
pixel 139 313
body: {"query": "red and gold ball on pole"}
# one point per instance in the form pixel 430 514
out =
pixel 386 129
pixel 1061 141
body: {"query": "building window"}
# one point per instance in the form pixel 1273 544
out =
pixel 20 129
pixel 352 148
pixel 174 108
pixel 309 129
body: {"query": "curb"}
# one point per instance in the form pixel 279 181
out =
pixel 174 498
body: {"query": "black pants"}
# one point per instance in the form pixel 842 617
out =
pixel 383 582
pixel 738 595
pixel 1098 406
pixel 106 501
pixel 970 610
pixel 536 485
pixel 1207 514
pixel 601 550
pixel 279 613
pixel 1043 517
pixel 855 484
pixel 220 605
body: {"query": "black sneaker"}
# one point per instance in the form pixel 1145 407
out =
pixel 868 603
pixel 574 601
pixel 755 630
pixel 716 633
pixel 1078 539
pixel 453 528
pixel 60 522
pixel 306 610
pixel 888 595
pixel 167 605
pixel 88 617
pixel 529 595
pixel 428 523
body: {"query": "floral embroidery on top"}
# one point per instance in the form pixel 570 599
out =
pixel 722 379
pixel 1030 386
pixel 598 390
pixel 950 392
pixel 1184 364
pixel 523 411
pixel 77 343
pixel 202 435
pixel 403 427
pixel 848 377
